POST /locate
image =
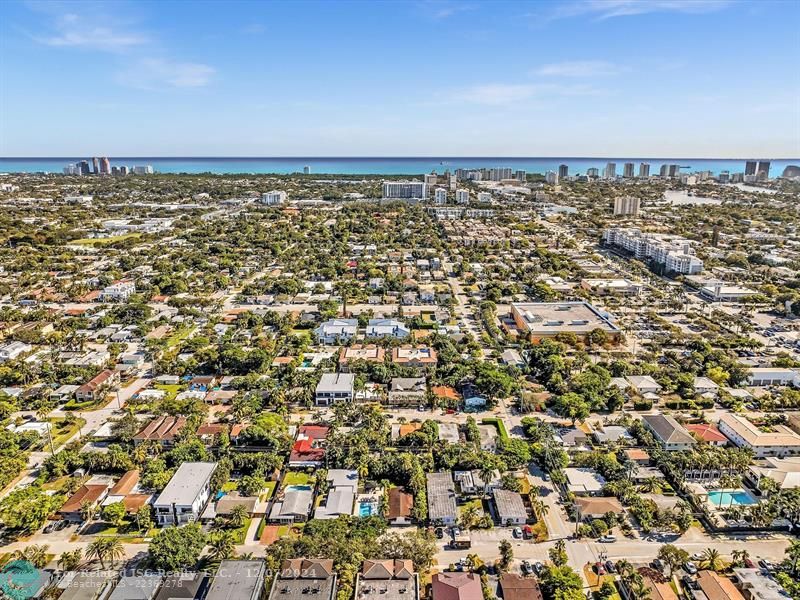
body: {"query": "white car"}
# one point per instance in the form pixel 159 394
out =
pixel 607 539
pixel 690 568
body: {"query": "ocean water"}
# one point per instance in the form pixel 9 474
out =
pixel 380 165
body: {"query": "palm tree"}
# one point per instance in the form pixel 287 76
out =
pixel 712 559
pixel 222 546
pixel 96 551
pixel 69 561
pixel 793 554
pixel 113 549
pixel 740 556
pixel 486 473
pixel 34 554
pixel 238 515
pixel 651 485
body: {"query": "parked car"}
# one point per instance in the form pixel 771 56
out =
pixel 526 567
pixel 599 568
pixel 607 539
pixel 439 532
pixel 610 568
pixel 698 556
pixel 538 567
pixel 527 532
pixel 690 568
pixel 50 528
pixel 517 532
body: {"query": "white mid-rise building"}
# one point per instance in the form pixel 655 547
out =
pixel 405 190
pixel 273 197
pixel 462 196
pixel 186 494
pixel 674 254
pixel 627 205
pixel 484 197
pixel 440 196
pixel 551 177
pixel 118 291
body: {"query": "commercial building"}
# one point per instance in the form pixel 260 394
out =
pixel 563 171
pixel 538 320
pixel 274 197
pixel 239 580
pixel 627 206
pixel 666 253
pixel 186 494
pixel 644 169
pixel 441 498
pixel 402 190
pixel 773 376
pixel 719 292
pixel 612 287
pixel 610 171
pixel 776 440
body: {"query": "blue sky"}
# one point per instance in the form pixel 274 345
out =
pixel 711 78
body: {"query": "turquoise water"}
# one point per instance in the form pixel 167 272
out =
pixel 380 165
pixel 367 509
pixel 739 497
pixel 298 488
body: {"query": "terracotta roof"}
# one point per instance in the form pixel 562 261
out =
pixel 400 503
pixel 445 391
pixel 456 586
pixel 314 432
pixel 212 429
pixel 125 484
pixel 515 587
pixel 716 587
pixel 304 568
pixel 637 454
pixel 599 506
pixel 163 428
pixel 706 432
pixel 133 502
pixel 407 428
pixel 90 493
pixel 96 381
pixel 387 569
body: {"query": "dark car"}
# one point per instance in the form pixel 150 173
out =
pixel 526 568
pixel 538 567
pixel 50 528
pixel 610 568
pixel 61 525
pixel 439 533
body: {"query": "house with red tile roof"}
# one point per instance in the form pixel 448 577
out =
pixel 456 586
pixel 707 433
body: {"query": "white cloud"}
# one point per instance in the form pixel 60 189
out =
pixel 503 94
pixel 443 9
pixel 74 31
pixel 581 68
pixel 154 73
pixel 607 9
pixel 254 29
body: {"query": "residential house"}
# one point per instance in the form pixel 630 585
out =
pixel 644 384
pixel 583 481
pixel 598 507
pixel 336 331
pixel 706 387
pixel 358 352
pixel 756 584
pixel 516 587
pixel 293 506
pixel 391 579
pixel 777 440
pixel 456 586
pixel 716 587
pixel 387 328
pixel 401 505
pixel 509 507
pixel 783 471
pixel 419 357
pixel 140 586
pixel 88 495
pixel 308 449
pixel 184 585
pixel 85 585
pixel 441 498
pixel 299 578
pixel 334 387
pixel 707 433
pixel 448 432
pixel 183 499
pixel 659 590
pixel 670 434
pixel 471 482
pixel 239 580
pixel 342 490
pixel 407 391
pixel 164 430
pixel 96 388
pixel 473 399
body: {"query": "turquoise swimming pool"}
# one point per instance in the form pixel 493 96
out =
pixel 734 498
pixel 367 509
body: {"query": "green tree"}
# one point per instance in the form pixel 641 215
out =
pixel 672 556
pixel 558 553
pixel 175 548
pixel 506 555
pixel 114 513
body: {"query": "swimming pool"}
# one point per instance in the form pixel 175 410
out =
pixel 367 509
pixel 734 498
pixel 298 488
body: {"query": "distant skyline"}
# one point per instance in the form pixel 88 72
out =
pixel 579 78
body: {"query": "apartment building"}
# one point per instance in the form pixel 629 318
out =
pixel 183 499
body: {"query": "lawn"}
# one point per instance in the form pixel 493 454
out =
pixel 229 486
pixel 240 533
pixel 477 503
pixel 172 390
pixel 178 336
pixel 297 478
pixel 105 241
pixel 270 487
pixel 62 432
pixel 596 581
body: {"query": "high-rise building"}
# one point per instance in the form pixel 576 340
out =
pixel 274 197
pixel 610 171
pixel 627 170
pixel 563 171
pixel 95 165
pixel 593 173
pixel 551 177
pixel 762 171
pixel 143 170
pixel 306 170
pixel 521 176
pixel 124 170
pixel 431 179
pixel 663 171
pixel 440 196
pixel 750 167
pixel 724 177
pixel 627 205
pixel 644 169
pixel 499 173
pixel 405 189
pixel 674 170
pixel 462 196
pixel 83 168
pixel 105 166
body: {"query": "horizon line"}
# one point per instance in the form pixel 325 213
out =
pixel 420 157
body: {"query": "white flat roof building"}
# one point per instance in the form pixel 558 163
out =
pixel 184 497
pixel 778 440
pixel 402 190
pixel 547 319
